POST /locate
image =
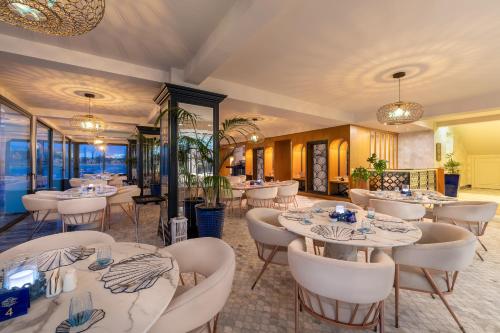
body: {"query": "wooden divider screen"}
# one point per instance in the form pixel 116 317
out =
pixel 385 145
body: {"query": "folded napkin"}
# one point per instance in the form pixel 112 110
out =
pixel 393 227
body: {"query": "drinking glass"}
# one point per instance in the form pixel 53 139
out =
pixel 103 255
pixel 80 309
pixel 370 213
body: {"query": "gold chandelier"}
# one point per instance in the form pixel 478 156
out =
pixel 88 122
pixel 400 112
pixel 53 17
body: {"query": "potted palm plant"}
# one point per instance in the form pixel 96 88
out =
pixel 361 175
pixel 452 176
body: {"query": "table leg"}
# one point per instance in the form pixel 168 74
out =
pixel 341 252
pixel 136 215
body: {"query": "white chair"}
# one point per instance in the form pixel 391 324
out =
pixel 75 182
pixel 335 203
pixel 472 215
pixel 287 194
pixel 432 264
pixel 82 211
pixel 49 194
pixel 39 207
pixel 403 210
pixel 261 197
pixel 88 175
pixel 359 197
pixel 343 293
pixel 123 199
pixel 57 241
pixel 196 307
pixel 117 180
pixel 271 239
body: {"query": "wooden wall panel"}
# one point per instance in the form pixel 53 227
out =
pixel 283 160
pixel 268 162
pixel 249 162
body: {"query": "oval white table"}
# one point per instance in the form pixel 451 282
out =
pixel 246 185
pixel 347 249
pixel 425 199
pixel 133 312
pixel 77 193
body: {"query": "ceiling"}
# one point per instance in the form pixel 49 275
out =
pixel 299 65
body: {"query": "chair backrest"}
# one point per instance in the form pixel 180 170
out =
pixel 264 228
pixel 359 197
pixel 57 241
pixel 263 193
pixel 403 210
pixel 35 203
pixel 467 211
pixel 82 211
pixel 75 182
pixel 288 190
pixel 334 203
pixel 235 179
pixel 443 247
pixel 345 281
pixel 215 260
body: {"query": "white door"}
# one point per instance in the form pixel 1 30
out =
pixel 486 172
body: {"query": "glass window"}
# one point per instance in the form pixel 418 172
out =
pixel 68 157
pixel 91 159
pixel 116 159
pixel 15 165
pixel 42 156
pixel 57 160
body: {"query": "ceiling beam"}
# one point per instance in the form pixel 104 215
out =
pixel 19 46
pixel 242 21
pixel 117 119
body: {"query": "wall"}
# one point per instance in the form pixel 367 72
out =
pixel 452 142
pixel 416 150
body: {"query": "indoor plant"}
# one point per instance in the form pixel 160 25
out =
pixel 452 176
pixel 361 175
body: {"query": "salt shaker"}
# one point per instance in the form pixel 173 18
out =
pixel 70 280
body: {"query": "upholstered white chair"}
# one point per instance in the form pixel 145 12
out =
pixel 261 197
pixel 287 194
pixel 57 241
pixel 235 179
pixel 359 197
pixel 344 293
pixel 197 307
pixel 82 211
pixel 335 203
pixel 403 210
pixel 123 199
pixel 49 194
pixel 432 264
pixel 75 182
pixel 270 238
pixel 40 208
pixel 472 215
pixel 117 180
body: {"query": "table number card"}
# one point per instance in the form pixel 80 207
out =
pixel 14 303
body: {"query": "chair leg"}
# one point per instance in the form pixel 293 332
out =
pixel 216 320
pixel 396 294
pixel 484 246
pixel 381 318
pixel 440 294
pixel 479 255
pixel 296 307
pixel 266 263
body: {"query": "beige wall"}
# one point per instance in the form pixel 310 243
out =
pixel 452 142
pixel 416 150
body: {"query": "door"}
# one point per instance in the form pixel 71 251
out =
pixel 317 167
pixel 15 163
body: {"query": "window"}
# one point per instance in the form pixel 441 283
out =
pixel 68 158
pixel 15 162
pixel 57 161
pixel 42 156
pixel 116 159
pixel 91 159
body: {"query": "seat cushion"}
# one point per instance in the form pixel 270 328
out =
pixel 411 277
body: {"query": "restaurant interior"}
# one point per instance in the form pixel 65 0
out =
pixel 249 166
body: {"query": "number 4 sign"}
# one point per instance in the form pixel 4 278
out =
pixel 14 303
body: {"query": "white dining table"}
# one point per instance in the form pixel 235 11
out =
pixel 247 186
pixel 97 191
pixel 380 236
pixel 124 311
pixel 427 199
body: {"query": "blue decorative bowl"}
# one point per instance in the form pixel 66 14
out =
pixel 347 216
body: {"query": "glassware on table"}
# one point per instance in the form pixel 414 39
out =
pixel 396 189
pixel 103 255
pixel 370 213
pixel 80 309
pixel 366 226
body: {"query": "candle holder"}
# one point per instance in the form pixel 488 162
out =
pixel 21 274
pixel 347 216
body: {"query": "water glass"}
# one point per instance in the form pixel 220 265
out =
pixel 103 255
pixel 370 213
pixel 366 226
pixel 80 309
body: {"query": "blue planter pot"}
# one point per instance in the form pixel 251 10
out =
pixel 210 221
pixel 451 184
pixel 190 213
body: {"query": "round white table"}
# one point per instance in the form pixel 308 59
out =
pixel 426 199
pixel 246 185
pixel 124 311
pixel 337 246
pixel 77 193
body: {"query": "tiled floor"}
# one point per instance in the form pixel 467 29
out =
pixel 269 308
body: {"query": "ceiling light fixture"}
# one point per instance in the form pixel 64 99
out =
pixel 88 122
pixel 399 112
pixel 53 17
pixel 98 140
pixel 255 137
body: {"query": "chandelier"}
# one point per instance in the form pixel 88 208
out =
pixel 88 122
pixel 53 17
pixel 255 137
pixel 399 112
pixel 98 140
